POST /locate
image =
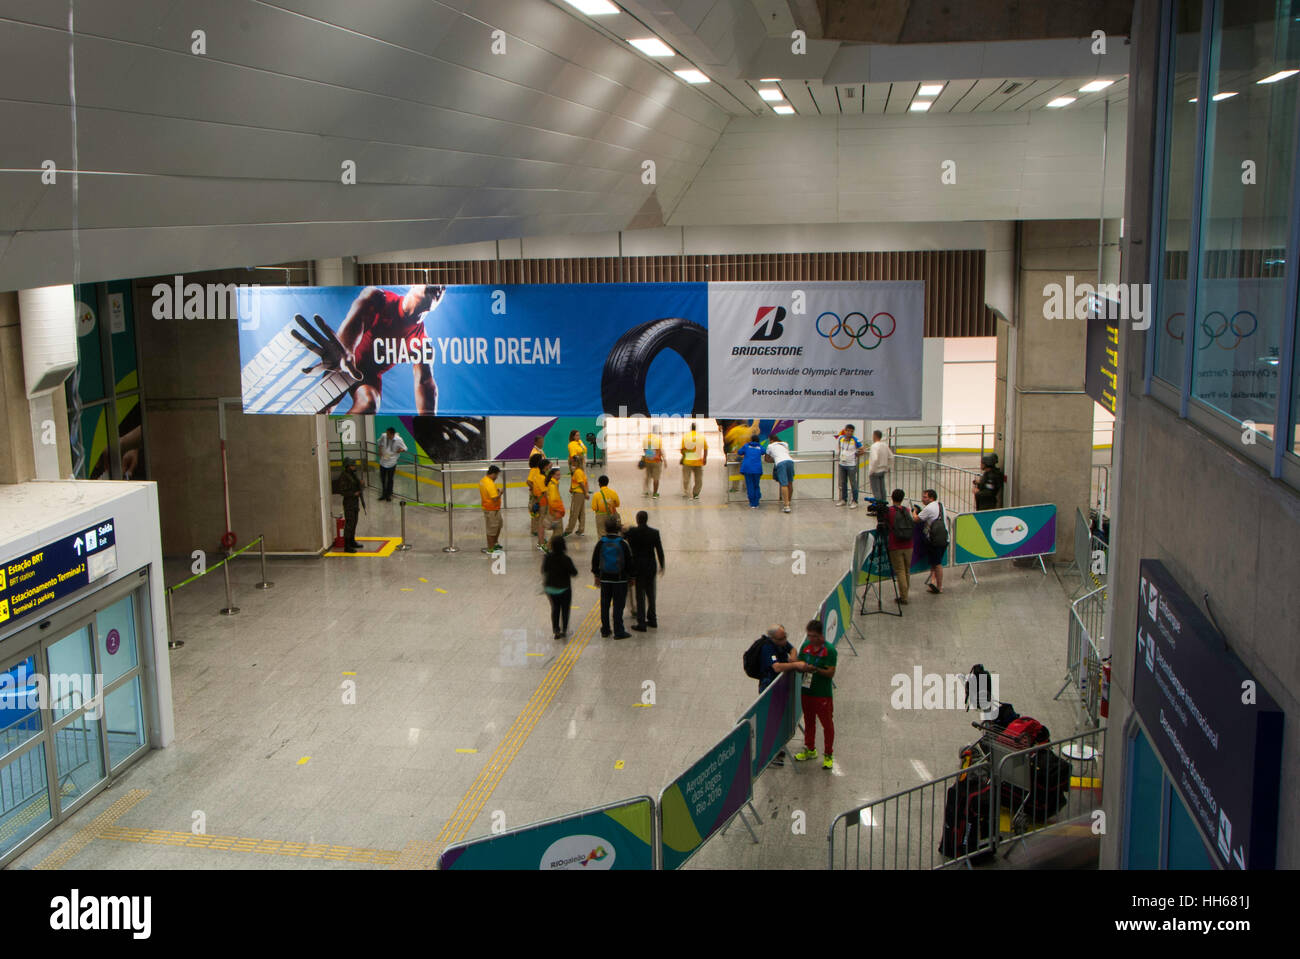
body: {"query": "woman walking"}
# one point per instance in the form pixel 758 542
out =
pixel 557 581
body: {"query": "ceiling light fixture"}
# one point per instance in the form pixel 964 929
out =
pixel 692 76
pixel 1280 75
pixel 593 8
pixel 771 94
pixel 652 47
pixel 784 109
pixel 769 80
pixel 1095 85
pixel 920 106
pixel 930 90
pixel 1061 102
pixel 1223 96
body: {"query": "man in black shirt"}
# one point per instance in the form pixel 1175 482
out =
pixel 988 488
pixel 646 545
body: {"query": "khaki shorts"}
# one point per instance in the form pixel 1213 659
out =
pixel 654 470
pixel 492 520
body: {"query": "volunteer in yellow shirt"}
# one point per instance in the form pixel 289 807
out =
pixel 537 449
pixel 536 490
pixel 604 504
pixel 552 517
pixel 652 448
pixel 577 501
pixel 489 492
pixel 577 450
pixel 695 453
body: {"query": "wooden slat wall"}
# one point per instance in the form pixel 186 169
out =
pixel 954 279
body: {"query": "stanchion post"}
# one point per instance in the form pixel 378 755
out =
pixel 446 498
pixel 404 544
pixel 261 549
pixel 172 641
pixel 231 609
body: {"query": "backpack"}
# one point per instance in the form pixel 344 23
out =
pixel 979 680
pixel 753 658
pixel 936 531
pixel 904 525
pixel 1027 731
pixel 612 559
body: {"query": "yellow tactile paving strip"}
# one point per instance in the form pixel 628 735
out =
pixel 265 847
pixel 490 776
pixel 89 833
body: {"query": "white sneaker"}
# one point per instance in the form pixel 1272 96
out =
pixel 839 502
pixel 853 506
pixel 785 509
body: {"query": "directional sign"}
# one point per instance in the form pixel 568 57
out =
pixel 34 581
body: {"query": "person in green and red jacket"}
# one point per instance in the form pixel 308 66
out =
pixel 818 693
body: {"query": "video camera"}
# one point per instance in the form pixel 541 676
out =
pixel 879 508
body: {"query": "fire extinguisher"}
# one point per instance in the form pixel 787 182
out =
pixel 338 533
pixel 1104 708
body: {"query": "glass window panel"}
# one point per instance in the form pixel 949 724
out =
pixel 79 758
pixel 1186 848
pixel 115 635
pixel 1246 207
pixel 71 673
pixel 125 719
pixel 24 797
pixel 1180 155
pixel 1295 393
pixel 1146 784
pixel 20 706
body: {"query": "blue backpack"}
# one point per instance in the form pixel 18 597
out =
pixel 612 556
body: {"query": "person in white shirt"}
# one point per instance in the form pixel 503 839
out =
pixel 850 450
pixel 932 512
pixel 390 445
pixel 881 461
pixel 782 470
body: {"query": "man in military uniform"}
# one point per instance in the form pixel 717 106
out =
pixel 349 485
pixel 988 488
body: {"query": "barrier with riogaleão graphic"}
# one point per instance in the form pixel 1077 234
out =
pixel 1009 533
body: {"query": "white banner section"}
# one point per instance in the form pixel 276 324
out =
pixel 796 350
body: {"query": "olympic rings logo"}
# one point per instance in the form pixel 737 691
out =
pixel 844 329
pixel 1211 334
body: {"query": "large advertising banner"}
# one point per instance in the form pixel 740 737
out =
pixel 617 836
pixel 579 350
pixel 813 350
pixel 776 717
pixel 703 799
pixel 567 349
pixel 1217 729
pixel 1008 533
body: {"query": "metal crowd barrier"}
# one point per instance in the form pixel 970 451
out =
pixel 952 483
pixel 905 830
pixel 1086 544
pixel 810 469
pixel 1083 657
pixel 230 608
pixel 1101 490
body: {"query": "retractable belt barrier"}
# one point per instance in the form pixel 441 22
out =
pixel 230 608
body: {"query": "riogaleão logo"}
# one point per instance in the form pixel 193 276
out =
pixel 1008 530
pixel 578 852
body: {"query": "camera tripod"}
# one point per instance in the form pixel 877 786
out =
pixel 877 563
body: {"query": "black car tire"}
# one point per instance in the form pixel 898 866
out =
pixel 623 383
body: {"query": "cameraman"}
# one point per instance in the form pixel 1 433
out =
pixel 900 543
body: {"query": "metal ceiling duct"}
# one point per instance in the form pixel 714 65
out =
pixel 47 318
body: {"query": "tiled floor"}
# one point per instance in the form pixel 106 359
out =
pixel 438 674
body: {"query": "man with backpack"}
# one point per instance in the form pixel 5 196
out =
pixel 935 532
pixel 766 658
pixel 901 528
pixel 611 562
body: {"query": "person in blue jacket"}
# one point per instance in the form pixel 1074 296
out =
pixel 751 467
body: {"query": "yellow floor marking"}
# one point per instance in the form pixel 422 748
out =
pixel 1085 782
pixel 589 586
pixel 619 764
pixel 266 847
pixel 418 854
pixel 88 833
pixel 304 760
pixel 534 654
pixel 423 580
pixel 390 546
pixel 406 589
pixel 467 750
pixel 347 673
pixel 490 775
pixel 642 705
pixel 439 589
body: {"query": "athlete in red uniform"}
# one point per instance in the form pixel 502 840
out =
pixel 375 315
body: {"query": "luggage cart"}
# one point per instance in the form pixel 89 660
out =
pixel 1017 783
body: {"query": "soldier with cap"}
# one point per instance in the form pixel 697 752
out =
pixel 349 485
